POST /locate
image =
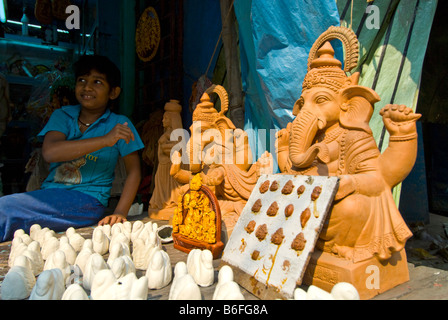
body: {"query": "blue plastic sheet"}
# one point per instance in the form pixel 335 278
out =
pixel 275 39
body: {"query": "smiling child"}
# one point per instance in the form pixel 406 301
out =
pixel 82 143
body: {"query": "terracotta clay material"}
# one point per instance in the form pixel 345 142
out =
pixel 265 186
pixel 261 232
pixel 304 217
pixel 287 189
pixel 257 206
pixel 331 136
pixel 316 193
pixel 250 227
pixel 300 190
pixel 277 237
pixel 299 242
pixel 166 189
pixel 220 152
pixel 289 210
pixel 255 255
pixel 274 186
pixel 273 209
pixel 197 220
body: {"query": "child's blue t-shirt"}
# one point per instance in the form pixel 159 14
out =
pixel 93 173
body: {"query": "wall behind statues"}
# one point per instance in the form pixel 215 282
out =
pixel 202 28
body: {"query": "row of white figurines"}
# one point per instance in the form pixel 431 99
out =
pixel 70 267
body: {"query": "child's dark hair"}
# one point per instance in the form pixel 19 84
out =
pixel 102 64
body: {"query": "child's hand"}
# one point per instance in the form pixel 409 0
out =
pixel 112 219
pixel 120 131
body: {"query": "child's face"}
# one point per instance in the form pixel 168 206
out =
pixel 93 91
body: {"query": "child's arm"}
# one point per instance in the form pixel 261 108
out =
pixel 132 164
pixel 57 149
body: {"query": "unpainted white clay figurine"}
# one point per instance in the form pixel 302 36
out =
pixel 57 260
pixel 18 247
pixel 107 287
pixel 122 227
pixel 340 291
pixel 50 245
pixel 183 286
pixel 139 289
pixel 122 266
pixel 117 249
pixel 84 255
pixel 76 240
pixel 100 241
pixel 227 289
pixel 143 251
pixel 101 282
pixel 122 239
pixel 34 254
pixel 75 292
pixel 19 281
pixel 344 291
pixel 159 271
pixel 137 228
pixel 94 264
pixel 70 252
pixel 35 231
pixel 20 233
pixel 107 230
pixel 200 266
pixel 49 286
pixel 145 232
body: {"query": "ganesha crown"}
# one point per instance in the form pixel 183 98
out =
pixel 332 79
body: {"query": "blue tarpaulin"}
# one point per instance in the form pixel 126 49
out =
pixel 275 39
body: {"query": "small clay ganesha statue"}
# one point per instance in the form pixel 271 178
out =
pixel 166 190
pixel 330 136
pixel 221 154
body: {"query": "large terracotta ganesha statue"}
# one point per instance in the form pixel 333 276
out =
pixel 330 136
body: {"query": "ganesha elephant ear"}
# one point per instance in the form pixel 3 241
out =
pixel 223 123
pixel 357 107
pixel 297 106
pixel 355 90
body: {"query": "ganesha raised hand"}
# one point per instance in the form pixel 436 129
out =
pixel 399 121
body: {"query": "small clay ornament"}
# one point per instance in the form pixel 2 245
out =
pixel 289 186
pixel 257 206
pixel 274 186
pixel 304 217
pixel 250 227
pixel 261 232
pixel 264 187
pixel 273 209
pixel 289 210
pixel 299 242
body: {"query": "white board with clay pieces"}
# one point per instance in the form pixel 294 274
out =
pixel 273 242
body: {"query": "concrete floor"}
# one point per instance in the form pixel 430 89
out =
pixel 428 264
